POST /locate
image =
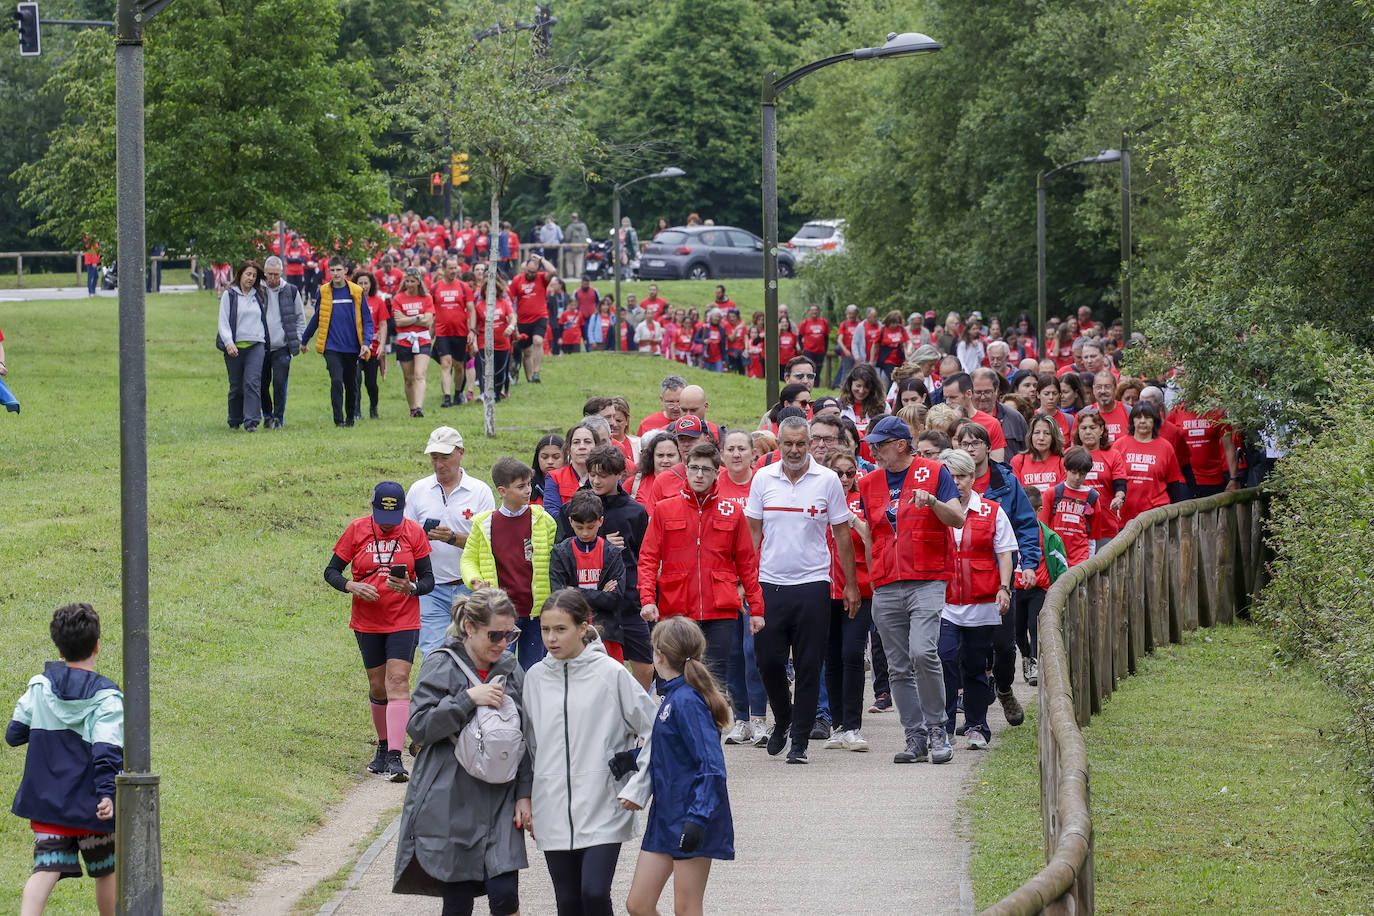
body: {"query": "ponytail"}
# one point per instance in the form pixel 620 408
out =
pixel 479 607
pixel 682 644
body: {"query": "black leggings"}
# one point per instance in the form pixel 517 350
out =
pixel 844 663
pixel 1026 604
pixel 582 879
pixel 367 368
pixel 503 895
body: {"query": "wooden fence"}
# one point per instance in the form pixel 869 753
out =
pixel 1169 571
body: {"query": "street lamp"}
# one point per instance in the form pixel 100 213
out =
pixel 1107 155
pixel 897 45
pixel 671 171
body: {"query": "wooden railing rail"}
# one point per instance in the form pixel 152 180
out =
pixel 1169 571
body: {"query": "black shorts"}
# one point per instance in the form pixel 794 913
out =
pixel 634 640
pixel 404 353
pixel 457 347
pixel 378 648
pixel 532 329
pixel 63 854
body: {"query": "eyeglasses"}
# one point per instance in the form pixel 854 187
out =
pixel 931 454
pixel 700 469
pixel 825 440
pixel 971 443
pixel 503 635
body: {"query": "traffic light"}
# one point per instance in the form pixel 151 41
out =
pixel 459 164
pixel 543 23
pixel 27 16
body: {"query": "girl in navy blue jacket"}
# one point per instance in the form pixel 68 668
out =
pixel 689 823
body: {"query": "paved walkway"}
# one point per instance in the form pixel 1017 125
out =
pixel 848 833
pixel 78 292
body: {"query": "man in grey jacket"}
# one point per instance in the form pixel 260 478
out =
pixel 285 320
pixel 575 259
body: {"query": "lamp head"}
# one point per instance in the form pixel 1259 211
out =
pixel 671 171
pixel 1107 155
pixel 899 45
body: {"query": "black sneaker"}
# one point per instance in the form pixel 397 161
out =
pixel 820 730
pixel 447 402
pixel 536 379
pixel 778 739
pixel 917 749
pixel 395 770
pixel 419 412
pixel 881 703
pixel 797 754
pixel 378 764
pixel 372 413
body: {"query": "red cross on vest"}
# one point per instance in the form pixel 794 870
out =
pixel 812 511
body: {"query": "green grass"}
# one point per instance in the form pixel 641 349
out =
pixel 258 706
pixel 1217 787
pixel 66 279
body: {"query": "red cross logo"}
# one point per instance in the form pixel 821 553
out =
pixel 727 508
pixel 467 514
pixel 812 511
pixel 921 475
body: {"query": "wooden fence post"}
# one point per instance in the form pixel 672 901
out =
pixel 1207 569
pixel 1159 584
pixel 1098 658
pixel 1225 564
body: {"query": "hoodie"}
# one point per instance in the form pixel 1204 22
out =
pixel 73 721
pixel 582 712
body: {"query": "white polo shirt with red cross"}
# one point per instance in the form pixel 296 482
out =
pixel 796 517
pixel 427 500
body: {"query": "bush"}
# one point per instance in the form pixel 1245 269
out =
pixel 1319 601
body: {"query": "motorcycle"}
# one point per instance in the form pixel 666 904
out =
pixel 600 255
pixel 109 276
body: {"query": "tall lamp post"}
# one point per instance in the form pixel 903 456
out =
pixel 1042 294
pixel 671 171
pixel 896 46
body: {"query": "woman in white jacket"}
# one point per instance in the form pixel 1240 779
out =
pixel 587 715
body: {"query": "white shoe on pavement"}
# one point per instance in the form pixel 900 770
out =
pixel 739 733
pixel 836 741
pixel 854 741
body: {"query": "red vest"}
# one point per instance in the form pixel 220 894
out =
pixel 589 564
pixel 975 579
pixel 924 549
pixel 566 478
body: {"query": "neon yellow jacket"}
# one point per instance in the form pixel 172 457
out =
pixel 480 565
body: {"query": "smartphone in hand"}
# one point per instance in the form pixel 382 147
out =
pixel 398 570
pixel 431 523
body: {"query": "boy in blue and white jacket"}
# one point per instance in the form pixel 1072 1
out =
pixel 73 721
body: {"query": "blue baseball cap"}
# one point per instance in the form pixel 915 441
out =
pixel 388 503
pixel 886 429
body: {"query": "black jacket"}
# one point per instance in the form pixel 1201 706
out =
pixel 627 518
pixel 607 607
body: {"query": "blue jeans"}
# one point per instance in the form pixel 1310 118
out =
pixel 711 366
pixel 746 687
pixel 92 274
pixel 529 648
pixel 846 363
pixel 963 654
pixel 436 613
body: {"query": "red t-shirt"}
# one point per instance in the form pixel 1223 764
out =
pixel 451 308
pixel 390 280
pixel 787 347
pixel 1118 421
pixel 847 335
pixel 734 337
pixel 412 307
pixel 380 313
pixel 1149 467
pixel 655 420
pixel 1042 475
pixel 587 301
pixel 370 554
pixel 713 337
pixel 1063 356
pixel 1074 520
pixel 815 332
pixel 654 305
pixel 1207 438
pixel 892 345
pixel 871 334
pixel 530 296
pixel 1107 468
pixel 499 340
pixel 724 305
pixel 989 422
pixel 738 493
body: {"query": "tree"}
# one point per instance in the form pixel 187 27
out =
pixel 512 109
pixel 248 121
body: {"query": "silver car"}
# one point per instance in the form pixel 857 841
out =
pixel 708 253
pixel 818 236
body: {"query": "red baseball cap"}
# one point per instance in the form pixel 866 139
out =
pixel 687 425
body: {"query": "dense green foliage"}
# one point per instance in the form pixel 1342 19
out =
pixel 247 121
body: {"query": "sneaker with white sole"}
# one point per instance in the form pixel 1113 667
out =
pixel 758 732
pixel 978 737
pixel 917 749
pixel 836 742
pixel 941 751
pixel 395 769
pixel 740 733
pixel 1030 669
pixel 378 764
pixel 854 741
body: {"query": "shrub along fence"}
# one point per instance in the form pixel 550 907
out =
pixel 1169 571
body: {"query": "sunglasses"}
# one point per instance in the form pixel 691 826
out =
pixel 503 635
pixel 849 473
pixel 803 375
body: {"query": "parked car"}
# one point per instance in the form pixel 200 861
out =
pixel 816 237
pixel 708 253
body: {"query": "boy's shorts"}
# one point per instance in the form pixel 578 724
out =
pixel 52 852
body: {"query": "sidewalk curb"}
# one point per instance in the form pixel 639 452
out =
pixel 362 867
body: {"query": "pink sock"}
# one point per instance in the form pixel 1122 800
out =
pixel 397 714
pixel 378 718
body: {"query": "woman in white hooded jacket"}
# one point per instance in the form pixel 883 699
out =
pixel 588 716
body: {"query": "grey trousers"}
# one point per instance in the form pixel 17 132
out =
pixel 907 614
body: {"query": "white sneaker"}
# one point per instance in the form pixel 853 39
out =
pixel 740 733
pixel 836 741
pixel 976 739
pixel 854 741
pixel 760 733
